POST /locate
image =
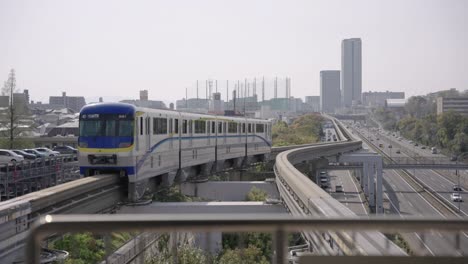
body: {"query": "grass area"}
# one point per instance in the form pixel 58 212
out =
pixel 305 129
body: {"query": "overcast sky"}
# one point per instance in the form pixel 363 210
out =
pixel 116 48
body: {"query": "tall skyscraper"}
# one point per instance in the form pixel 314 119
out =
pixel 351 72
pixel 330 97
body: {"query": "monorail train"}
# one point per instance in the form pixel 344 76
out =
pixel 141 143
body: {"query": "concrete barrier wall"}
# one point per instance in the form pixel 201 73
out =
pixel 228 191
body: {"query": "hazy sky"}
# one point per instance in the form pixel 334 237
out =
pixel 116 48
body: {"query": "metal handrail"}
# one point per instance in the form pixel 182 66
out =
pixel 279 225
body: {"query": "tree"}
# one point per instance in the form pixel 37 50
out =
pixel 13 114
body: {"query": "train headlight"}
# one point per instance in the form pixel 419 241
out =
pixel 125 145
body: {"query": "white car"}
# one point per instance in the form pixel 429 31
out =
pixel 48 152
pixel 456 197
pixel 7 156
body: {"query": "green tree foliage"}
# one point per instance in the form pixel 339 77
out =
pixel 256 194
pixel 83 248
pixel 386 118
pixel 185 255
pixel 249 255
pixel 305 129
pixel 448 130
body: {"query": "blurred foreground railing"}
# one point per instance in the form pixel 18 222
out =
pixel 279 226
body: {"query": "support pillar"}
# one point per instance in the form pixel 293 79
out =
pixel 371 182
pixel 364 179
pixel 379 201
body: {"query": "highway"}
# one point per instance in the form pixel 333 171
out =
pixel 351 195
pixel 439 181
pixel 404 199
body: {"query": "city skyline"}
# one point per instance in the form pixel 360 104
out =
pixel 117 49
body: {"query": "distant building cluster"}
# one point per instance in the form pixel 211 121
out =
pixel 248 98
pixel 145 102
pixel 455 104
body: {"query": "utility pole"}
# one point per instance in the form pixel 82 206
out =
pixel 263 89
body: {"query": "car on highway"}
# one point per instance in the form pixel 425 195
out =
pixel 416 144
pixel 48 152
pixel 453 158
pixel 456 197
pixel 7 156
pixel 25 155
pixel 389 146
pixel 397 151
pixel 67 150
pixel 457 188
pixel 338 188
pixel 423 147
pixel 380 145
pixel 434 150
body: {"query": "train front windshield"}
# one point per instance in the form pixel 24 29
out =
pixel 106 126
pixel 106 130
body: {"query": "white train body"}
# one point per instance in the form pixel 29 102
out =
pixel 141 143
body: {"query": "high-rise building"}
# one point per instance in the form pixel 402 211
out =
pixel 330 96
pixel 351 72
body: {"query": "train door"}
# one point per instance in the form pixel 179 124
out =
pixel 190 132
pixel 171 134
pixel 208 132
pixel 147 132
pixel 224 132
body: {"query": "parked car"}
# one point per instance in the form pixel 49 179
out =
pixel 456 197
pixel 389 146
pixel 7 156
pixel 65 150
pixel 457 188
pixel 35 152
pixel 338 188
pixel 48 152
pixel 25 155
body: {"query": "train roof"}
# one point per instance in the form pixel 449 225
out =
pixel 108 108
pixel 119 108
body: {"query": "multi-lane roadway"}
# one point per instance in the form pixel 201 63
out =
pixel 403 197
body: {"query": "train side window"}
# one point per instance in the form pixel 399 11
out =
pixel 243 127
pixel 184 126
pixel 176 126
pixel 232 127
pixel 213 127
pixel 170 125
pixel 224 127
pixel 190 122
pixel 141 125
pixel 159 126
pixel 220 127
pixel 259 128
pixel 200 127
pixel 250 128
